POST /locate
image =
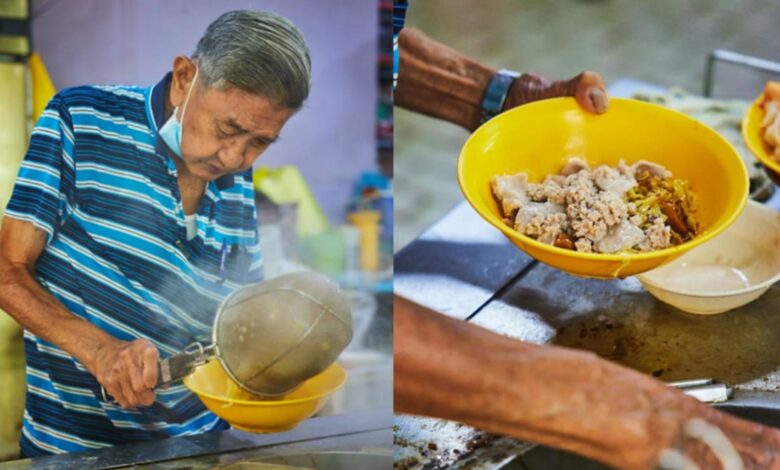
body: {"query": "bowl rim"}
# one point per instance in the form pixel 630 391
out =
pixel 276 403
pixel 765 284
pixel 759 152
pixel 606 257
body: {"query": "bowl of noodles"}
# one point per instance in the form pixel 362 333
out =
pixel 249 412
pixel 629 190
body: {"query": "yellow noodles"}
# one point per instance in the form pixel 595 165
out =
pixel 668 199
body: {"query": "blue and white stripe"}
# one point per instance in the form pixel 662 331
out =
pixel 399 17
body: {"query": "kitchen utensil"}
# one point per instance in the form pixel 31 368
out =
pixel 215 389
pixel 272 336
pixel 706 390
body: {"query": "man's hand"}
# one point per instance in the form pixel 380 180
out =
pixel 128 371
pixel 587 88
pixel 555 396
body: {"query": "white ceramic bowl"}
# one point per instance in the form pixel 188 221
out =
pixel 729 271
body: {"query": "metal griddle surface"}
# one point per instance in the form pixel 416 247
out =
pixel 456 268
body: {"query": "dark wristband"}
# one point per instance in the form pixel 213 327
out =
pixel 496 93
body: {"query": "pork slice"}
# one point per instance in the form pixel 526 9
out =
pixel 574 165
pixel 532 210
pixel 620 237
pixel 772 132
pixel 650 167
pixel 511 192
pixel 613 180
pixel 772 91
pixel 771 110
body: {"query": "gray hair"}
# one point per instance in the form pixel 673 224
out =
pixel 259 52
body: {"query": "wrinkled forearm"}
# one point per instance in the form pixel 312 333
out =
pixel 551 395
pixel 438 81
pixel 37 311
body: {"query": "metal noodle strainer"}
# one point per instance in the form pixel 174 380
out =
pixel 272 336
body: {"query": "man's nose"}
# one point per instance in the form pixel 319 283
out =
pixel 232 155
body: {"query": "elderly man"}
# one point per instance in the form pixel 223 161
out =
pixel 132 217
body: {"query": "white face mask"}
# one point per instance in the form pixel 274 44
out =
pixel 172 129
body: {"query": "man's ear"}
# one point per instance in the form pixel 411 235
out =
pixel 183 75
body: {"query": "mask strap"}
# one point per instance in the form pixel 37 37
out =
pixel 189 92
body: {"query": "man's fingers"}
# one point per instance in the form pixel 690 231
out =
pixel 119 389
pixel 587 88
pixel 129 398
pixel 142 373
pixel 114 388
pixel 136 397
pixel 594 100
pixel 135 372
pixel 128 371
pixel 148 397
pixel 113 391
pixel 591 93
pixel 149 359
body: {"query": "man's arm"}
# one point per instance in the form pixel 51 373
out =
pixel 441 82
pixel 128 370
pixel 555 396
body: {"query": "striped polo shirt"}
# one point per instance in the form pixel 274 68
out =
pixel 102 185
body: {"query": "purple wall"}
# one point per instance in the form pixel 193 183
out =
pixel 134 42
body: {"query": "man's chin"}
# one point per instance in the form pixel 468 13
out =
pixel 206 172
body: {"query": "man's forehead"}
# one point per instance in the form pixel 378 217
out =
pixel 246 111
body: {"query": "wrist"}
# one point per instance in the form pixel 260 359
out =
pixel 438 81
pixel 91 346
pixel 496 93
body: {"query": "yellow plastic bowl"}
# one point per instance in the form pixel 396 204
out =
pixel 212 385
pixel 539 137
pixel 751 132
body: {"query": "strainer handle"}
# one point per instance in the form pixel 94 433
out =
pixel 180 365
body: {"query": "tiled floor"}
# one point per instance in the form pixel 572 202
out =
pixel 661 41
